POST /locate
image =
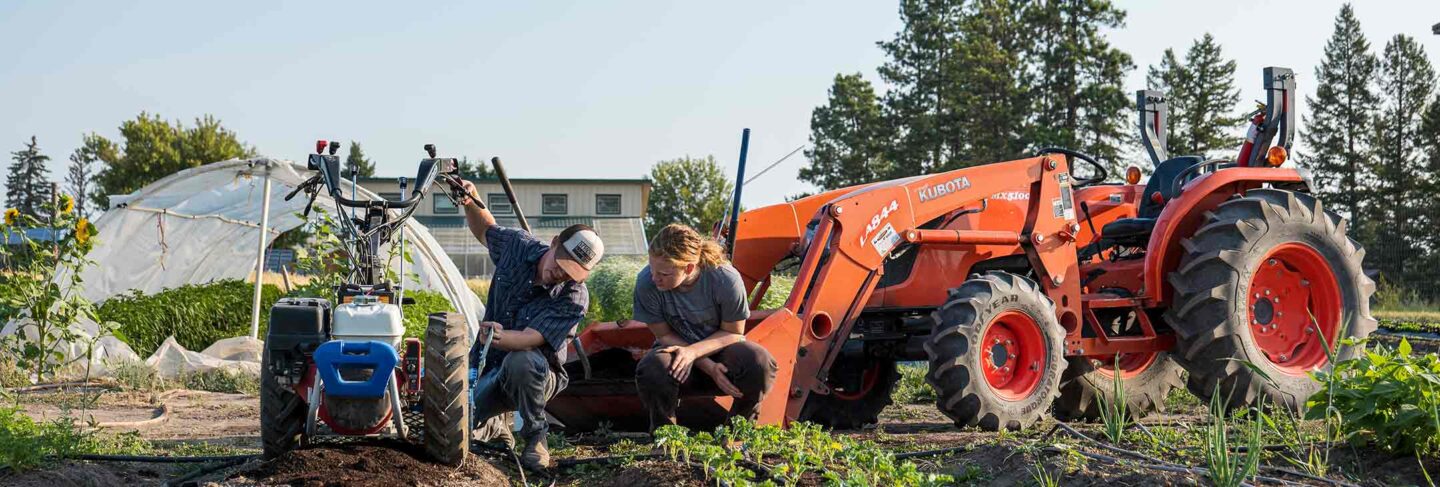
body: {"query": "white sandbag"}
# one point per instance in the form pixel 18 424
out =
pixel 171 361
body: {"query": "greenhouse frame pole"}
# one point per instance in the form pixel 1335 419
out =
pixel 260 255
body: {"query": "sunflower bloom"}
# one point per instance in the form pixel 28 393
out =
pixel 67 204
pixel 11 216
pixel 82 231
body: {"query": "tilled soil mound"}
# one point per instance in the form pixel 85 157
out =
pixel 372 464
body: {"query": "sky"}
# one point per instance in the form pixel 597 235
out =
pixel 556 89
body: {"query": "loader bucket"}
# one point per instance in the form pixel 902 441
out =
pixel 602 390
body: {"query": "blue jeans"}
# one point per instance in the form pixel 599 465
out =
pixel 522 383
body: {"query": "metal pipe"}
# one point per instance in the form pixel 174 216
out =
pixel 509 193
pixel 958 237
pixel 260 252
pixel 739 188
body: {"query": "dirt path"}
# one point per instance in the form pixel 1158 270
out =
pixel 223 419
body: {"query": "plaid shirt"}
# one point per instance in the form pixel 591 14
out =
pixel 517 302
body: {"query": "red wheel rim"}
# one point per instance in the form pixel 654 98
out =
pixel 1131 364
pixel 1013 355
pixel 1294 295
pixel 867 382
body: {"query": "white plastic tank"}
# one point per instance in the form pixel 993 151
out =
pixel 365 319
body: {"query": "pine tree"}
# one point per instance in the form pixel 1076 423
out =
pixel 79 177
pixel 990 100
pixel 1338 128
pixel 848 136
pixel 1209 94
pixel 28 183
pixel 357 164
pixel 1407 81
pixel 1200 91
pixel 1076 80
pixel 1170 78
pixel 922 68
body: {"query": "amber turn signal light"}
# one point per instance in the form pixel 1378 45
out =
pixel 1132 175
pixel 1276 156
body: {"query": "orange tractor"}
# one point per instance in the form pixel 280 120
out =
pixel 1025 287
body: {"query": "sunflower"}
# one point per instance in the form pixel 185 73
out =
pixel 82 230
pixel 67 204
pixel 11 216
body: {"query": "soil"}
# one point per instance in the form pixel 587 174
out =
pixel 368 464
pixel 652 473
pixel 92 474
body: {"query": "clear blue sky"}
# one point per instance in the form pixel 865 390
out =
pixel 558 89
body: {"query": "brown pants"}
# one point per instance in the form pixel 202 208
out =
pixel 749 366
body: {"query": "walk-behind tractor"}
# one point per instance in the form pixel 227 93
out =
pixel 1026 286
pixel 344 370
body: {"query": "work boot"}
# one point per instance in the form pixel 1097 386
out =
pixel 536 456
pixel 496 432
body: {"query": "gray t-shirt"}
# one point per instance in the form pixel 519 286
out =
pixel 718 296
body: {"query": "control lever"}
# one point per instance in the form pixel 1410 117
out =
pixel 1085 208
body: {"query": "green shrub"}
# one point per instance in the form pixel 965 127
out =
pixel 136 376
pixel 26 444
pixel 912 388
pixel 426 302
pixel 197 315
pixel 1390 396
pixel 612 289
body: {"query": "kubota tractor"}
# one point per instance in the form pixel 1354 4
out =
pixel 1022 285
pixel 346 370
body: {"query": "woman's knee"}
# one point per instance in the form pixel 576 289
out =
pixel 654 363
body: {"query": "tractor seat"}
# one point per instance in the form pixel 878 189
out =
pixel 1136 231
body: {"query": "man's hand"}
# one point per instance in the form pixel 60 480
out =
pixel 467 188
pixel 682 359
pixel 486 328
pixel 716 371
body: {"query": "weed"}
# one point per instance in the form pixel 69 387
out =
pixel 225 380
pixel 1389 395
pixel 1043 477
pixel 1112 411
pixel 136 376
pixel 1227 469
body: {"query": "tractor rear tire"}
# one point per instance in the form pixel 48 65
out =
pixel 841 411
pixel 282 413
pixel 445 392
pixel 996 353
pixel 1227 310
pixel 1087 385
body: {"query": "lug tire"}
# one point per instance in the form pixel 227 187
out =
pixel 445 398
pixel 959 363
pixel 841 413
pixel 1212 311
pixel 1085 387
pixel 282 413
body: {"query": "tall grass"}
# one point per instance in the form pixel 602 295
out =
pixel 1227 468
pixel 1112 409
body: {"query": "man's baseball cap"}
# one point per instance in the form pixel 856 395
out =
pixel 580 249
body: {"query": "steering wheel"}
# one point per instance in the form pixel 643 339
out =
pixel 1100 173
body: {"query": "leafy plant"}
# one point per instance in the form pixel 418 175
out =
pixel 1043 477
pixel 196 314
pixel 136 376
pixel 1392 397
pixel 912 388
pixel 43 288
pixel 1112 410
pixel 788 455
pixel 1226 468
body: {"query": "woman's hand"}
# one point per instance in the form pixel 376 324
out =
pixel 680 363
pixel 716 371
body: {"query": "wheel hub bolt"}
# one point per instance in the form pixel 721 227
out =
pixel 1284 358
pixel 1271 262
pixel 1267 292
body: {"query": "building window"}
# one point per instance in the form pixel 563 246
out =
pixel 499 204
pixel 607 204
pixel 443 205
pixel 554 204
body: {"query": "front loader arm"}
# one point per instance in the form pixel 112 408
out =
pixel 857 230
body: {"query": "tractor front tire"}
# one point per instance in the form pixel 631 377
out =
pixel 1260 277
pixel 854 409
pixel 282 413
pixel 996 353
pixel 445 391
pixel 1146 380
